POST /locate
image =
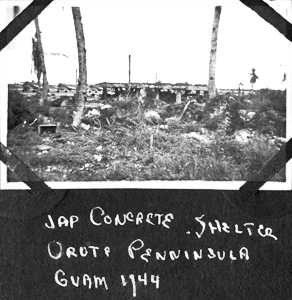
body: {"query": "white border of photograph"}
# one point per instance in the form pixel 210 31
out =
pixel 209 185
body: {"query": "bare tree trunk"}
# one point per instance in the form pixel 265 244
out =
pixel 129 69
pixel 213 54
pixel 81 90
pixel 40 46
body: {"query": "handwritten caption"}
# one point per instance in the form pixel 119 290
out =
pixel 137 250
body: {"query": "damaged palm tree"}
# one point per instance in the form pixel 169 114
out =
pixel 39 62
pixel 81 90
pixel 254 77
pixel 38 58
pixel 213 54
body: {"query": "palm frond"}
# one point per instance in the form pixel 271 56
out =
pixel 57 54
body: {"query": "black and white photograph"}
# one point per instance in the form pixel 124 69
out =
pixel 147 91
pixel 145 150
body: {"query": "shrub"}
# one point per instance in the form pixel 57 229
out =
pixel 256 153
pixel 274 99
pixel 223 113
pixel 18 110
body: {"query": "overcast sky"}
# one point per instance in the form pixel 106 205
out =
pixel 168 38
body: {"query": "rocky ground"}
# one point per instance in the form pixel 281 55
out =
pixel 140 138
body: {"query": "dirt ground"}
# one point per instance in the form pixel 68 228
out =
pixel 127 146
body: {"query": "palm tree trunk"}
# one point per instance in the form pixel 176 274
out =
pixel 16 10
pixel 40 46
pixel 81 90
pixel 213 54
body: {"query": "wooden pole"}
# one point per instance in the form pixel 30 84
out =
pixel 129 69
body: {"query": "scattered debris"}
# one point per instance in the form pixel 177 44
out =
pixel 196 136
pixel 97 157
pixel 47 128
pixel 242 136
pixel 152 116
pixel 84 126
pixel 43 147
pixel 133 138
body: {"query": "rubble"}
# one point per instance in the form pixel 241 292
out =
pixel 59 112
pixel 198 137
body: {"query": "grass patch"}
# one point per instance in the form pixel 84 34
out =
pixel 129 148
pixel 171 157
